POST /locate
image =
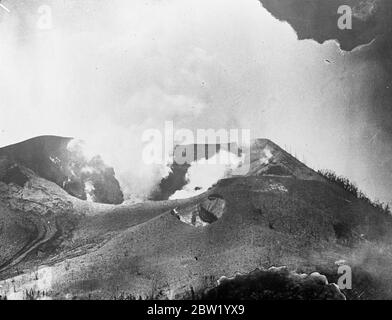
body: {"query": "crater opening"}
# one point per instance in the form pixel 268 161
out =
pixel 203 213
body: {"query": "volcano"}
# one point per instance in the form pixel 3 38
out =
pixel 265 158
pixel 280 223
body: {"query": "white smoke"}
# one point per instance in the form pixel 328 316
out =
pixel 108 70
pixel 202 174
pixel 266 156
pixel 89 189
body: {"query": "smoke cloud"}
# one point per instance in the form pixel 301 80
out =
pixel 202 174
pixel 108 70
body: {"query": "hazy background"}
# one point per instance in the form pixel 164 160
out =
pixel 108 70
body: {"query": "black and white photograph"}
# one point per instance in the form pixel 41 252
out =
pixel 212 151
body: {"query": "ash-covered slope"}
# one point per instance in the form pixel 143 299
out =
pixel 51 158
pixel 267 158
pixel 178 249
pixel 32 214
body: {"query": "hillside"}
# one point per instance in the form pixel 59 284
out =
pixel 280 214
pixel 51 158
pixel 265 158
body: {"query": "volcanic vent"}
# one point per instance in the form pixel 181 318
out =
pixel 262 158
pixel 202 213
pixel 51 158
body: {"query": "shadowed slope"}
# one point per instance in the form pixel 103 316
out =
pixel 50 158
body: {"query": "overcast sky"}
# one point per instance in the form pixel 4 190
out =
pixel 108 70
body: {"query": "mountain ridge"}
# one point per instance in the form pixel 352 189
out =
pixel 167 249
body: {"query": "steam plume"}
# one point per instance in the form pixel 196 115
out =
pixel 110 69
